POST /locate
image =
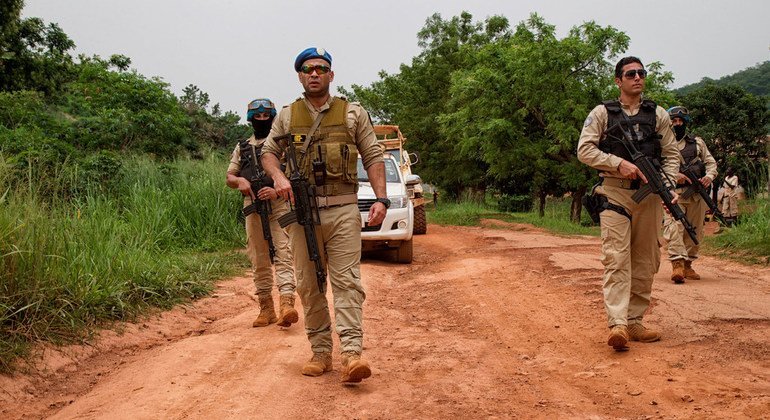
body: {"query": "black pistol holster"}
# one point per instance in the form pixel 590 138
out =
pixel 597 203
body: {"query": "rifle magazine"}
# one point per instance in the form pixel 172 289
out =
pixel 287 219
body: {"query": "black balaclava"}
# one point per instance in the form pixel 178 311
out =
pixel 261 127
pixel 680 131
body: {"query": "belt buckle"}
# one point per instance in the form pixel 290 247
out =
pixel 321 201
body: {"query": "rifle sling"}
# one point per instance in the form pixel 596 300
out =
pixel 310 133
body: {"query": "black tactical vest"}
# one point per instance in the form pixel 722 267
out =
pixel 250 155
pixel 642 129
pixel 690 153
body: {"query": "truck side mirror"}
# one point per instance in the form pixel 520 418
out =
pixel 413 179
pixel 414 158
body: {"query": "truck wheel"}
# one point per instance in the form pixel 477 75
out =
pixel 404 252
pixel 420 222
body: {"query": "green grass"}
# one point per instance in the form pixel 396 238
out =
pixel 67 267
pixel 749 240
pixel 555 218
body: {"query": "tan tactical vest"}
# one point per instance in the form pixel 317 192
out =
pixel 333 142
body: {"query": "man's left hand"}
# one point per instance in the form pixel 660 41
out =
pixel 376 214
pixel 674 200
pixel 706 181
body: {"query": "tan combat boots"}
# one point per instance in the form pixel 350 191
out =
pixel 354 368
pixel 319 364
pixel 289 315
pixel 677 271
pixel 266 311
pixel 689 272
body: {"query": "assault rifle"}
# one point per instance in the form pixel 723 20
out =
pixel 261 207
pixel 696 187
pixel 305 209
pixel 651 170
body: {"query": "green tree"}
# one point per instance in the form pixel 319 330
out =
pixel 122 110
pixel 732 122
pixel 33 55
pixel 415 97
pixel 521 105
pixel 213 128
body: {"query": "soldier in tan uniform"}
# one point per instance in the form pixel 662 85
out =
pixel 260 114
pixel 728 197
pixel 338 131
pixel 630 252
pixel 682 251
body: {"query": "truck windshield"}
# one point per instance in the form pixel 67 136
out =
pixel 391 171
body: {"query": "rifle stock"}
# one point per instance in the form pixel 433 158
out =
pixel 651 170
pixel 305 209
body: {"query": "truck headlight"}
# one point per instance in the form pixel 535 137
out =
pixel 398 201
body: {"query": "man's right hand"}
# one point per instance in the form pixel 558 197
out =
pixel 283 187
pixel 631 171
pixel 244 186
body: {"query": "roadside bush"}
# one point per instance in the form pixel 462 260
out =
pixel 68 266
pixel 515 203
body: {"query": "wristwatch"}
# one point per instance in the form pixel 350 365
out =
pixel 385 201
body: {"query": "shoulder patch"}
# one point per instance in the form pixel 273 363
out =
pixel 588 121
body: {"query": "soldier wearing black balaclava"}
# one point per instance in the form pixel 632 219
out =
pixel 245 157
pixel 681 250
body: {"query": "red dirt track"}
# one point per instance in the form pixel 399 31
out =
pixel 497 321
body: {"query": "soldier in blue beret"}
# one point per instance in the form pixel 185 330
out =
pixel 336 131
pixel 309 53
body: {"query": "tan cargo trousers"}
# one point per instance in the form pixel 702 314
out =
pixel 630 254
pixel 259 254
pixel 730 205
pixel 680 246
pixel 340 238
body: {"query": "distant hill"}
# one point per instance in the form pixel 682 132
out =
pixel 754 79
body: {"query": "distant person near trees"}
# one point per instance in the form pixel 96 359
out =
pixel 728 195
pixel 326 134
pixel 245 174
pixel 682 251
pixel 630 252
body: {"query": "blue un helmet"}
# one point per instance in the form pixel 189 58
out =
pixel 679 112
pixel 260 105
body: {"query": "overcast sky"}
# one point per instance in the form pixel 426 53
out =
pixel 237 50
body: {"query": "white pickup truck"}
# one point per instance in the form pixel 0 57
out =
pixel 395 232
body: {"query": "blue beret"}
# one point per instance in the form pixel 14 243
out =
pixel 309 53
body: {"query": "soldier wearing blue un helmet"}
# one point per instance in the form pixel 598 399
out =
pixel 682 251
pixel 243 168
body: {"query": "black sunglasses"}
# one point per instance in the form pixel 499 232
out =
pixel 631 74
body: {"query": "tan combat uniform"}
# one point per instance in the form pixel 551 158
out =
pixel 680 246
pixel 729 199
pixel 340 230
pixel 257 248
pixel 630 252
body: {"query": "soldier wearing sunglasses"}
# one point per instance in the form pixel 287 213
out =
pixel 336 131
pixel 630 252
pixel 682 251
pixel 260 114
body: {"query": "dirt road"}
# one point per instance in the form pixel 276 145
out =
pixel 494 322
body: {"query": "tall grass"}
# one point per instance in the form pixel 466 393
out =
pixel 66 266
pixel 748 240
